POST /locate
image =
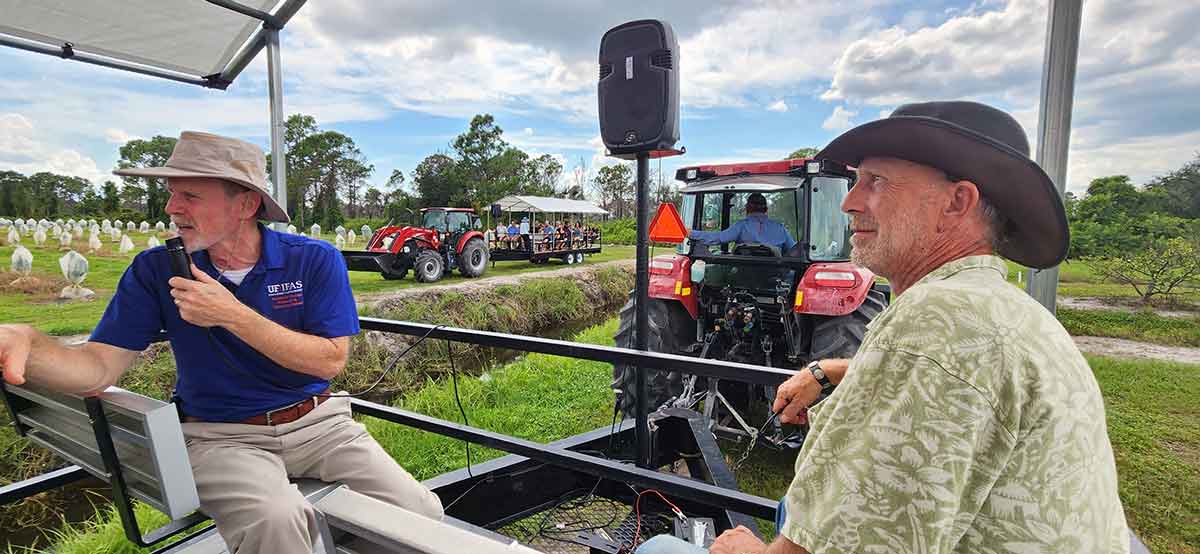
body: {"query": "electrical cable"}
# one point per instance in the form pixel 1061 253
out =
pixel 457 400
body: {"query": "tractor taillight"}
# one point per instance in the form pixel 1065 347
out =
pixel 835 279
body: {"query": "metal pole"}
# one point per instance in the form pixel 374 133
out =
pixel 641 295
pixel 278 155
pixel 1054 118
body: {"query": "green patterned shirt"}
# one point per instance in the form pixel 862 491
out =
pixel 968 422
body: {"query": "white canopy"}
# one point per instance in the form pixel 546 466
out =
pixel 201 42
pixel 542 204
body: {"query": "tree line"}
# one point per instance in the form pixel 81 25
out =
pixel 328 180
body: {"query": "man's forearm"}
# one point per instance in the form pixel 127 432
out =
pixel 304 353
pixel 70 369
pixel 783 546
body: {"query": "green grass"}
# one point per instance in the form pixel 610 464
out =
pixel 1139 326
pixel 43 310
pixel 1153 416
pixel 1076 279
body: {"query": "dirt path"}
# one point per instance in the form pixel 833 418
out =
pixel 375 298
pixel 1121 348
pixel 1088 303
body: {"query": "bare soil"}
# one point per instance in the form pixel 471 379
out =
pixel 1122 348
pixel 1123 305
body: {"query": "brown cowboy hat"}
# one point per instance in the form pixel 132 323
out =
pixel 981 144
pixel 206 155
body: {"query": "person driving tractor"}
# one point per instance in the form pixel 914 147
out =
pixel 755 228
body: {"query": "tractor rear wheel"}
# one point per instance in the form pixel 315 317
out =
pixel 474 258
pixel 668 332
pixel 429 266
pixel 840 337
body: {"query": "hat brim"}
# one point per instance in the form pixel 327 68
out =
pixel 272 211
pixel 1036 233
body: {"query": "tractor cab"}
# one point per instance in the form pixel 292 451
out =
pixel 449 221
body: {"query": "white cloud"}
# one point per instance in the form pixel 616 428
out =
pixel 22 152
pixel 1137 80
pixel 839 120
pixel 118 136
pixel 528 131
pixel 778 106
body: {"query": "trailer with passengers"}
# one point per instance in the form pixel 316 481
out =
pixel 540 229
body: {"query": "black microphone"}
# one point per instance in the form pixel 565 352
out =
pixel 181 263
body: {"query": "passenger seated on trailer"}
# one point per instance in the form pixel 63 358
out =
pixel 256 336
pixel 756 227
pixel 513 234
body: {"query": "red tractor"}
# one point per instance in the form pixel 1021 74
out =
pixel 447 239
pixel 752 302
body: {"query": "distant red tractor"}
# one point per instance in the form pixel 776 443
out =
pixel 447 239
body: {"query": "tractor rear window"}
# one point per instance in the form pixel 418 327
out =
pixel 830 225
pixel 434 219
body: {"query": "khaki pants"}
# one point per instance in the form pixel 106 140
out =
pixel 242 476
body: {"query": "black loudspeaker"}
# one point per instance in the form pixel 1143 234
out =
pixel 639 87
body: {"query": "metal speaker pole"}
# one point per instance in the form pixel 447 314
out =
pixel 641 295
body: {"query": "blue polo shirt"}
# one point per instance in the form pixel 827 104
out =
pixel 755 227
pixel 299 283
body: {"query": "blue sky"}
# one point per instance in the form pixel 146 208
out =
pixel 758 80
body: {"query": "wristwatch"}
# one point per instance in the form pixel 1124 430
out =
pixel 814 368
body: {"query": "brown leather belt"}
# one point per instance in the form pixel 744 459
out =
pixel 286 414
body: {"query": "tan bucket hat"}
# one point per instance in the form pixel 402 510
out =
pixel 207 155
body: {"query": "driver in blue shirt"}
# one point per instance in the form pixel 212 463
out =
pixel 755 228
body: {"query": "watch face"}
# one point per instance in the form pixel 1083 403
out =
pixel 818 373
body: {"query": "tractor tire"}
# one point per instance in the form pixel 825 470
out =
pixel 840 337
pixel 429 266
pixel 669 329
pixel 394 275
pixel 473 260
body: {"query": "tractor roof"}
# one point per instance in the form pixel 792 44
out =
pixel 694 173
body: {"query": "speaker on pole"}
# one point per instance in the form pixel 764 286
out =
pixel 639 88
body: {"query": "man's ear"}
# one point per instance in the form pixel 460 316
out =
pixel 250 204
pixel 964 197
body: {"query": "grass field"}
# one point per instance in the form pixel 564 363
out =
pixel 38 305
pixel 1152 411
pixel 1076 279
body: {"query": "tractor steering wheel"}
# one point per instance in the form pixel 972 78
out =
pixel 757 249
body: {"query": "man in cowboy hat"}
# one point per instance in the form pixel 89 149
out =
pixel 755 228
pixel 257 335
pixel 968 421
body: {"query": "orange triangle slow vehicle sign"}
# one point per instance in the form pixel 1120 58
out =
pixel 667 226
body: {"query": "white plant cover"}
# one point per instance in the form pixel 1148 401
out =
pixel 387 242
pixel 173 227
pixel 22 261
pixel 94 243
pixel 78 231
pixel 74 267
pixel 114 234
pixel 144 227
pixel 28 228
pixel 4 222
pixel 43 222
pixel 159 226
pixel 340 230
pixel 56 230
pixel 152 242
pixel 105 225
pixel 91 222
pixel 94 229
pixel 64 240
pixel 126 245
pixel 314 230
pixel 39 236
pixel 351 237
pixel 366 230
pixel 291 229
pixel 117 223
pixel 340 242
pixel 14 237
pixel 131 226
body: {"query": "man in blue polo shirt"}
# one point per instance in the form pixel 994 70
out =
pixel 257 335
pixel 756 227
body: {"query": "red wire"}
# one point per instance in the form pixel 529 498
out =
pixel 637 510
